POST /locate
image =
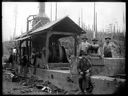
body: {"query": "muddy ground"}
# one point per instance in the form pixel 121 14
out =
pixel 10 88
pixel 26 86
pixel 19 88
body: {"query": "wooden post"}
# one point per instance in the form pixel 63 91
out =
pixel 20 51
pixel 47 48
pixel 75 45
pixel 30 46
pixel 27 48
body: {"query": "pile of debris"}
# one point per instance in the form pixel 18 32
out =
pixel 32 83
pixel 10 75
pixel 43 86
pixel 50 88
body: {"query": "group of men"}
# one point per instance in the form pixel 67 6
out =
pixel 94 49
pixel 87 50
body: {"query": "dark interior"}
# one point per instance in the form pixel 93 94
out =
pixel 57 53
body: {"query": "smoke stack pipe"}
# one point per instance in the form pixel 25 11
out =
pixel 41 9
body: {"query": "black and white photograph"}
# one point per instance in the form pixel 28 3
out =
pixel 63 48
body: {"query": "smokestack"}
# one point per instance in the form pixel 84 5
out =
pixel 41 9
pixel 41 19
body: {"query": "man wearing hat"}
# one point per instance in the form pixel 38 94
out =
pixel 84 46
pixel 84 65
pixel 107 47
pixel 95 48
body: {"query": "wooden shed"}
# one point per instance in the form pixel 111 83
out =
pixel 44 40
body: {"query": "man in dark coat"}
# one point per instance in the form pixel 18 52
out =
pixel 95 49
pixel 84 66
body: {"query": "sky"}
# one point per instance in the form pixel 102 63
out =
pixel 107 13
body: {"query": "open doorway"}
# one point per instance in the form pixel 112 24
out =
pixel 58 48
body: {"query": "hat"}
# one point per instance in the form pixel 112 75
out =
pixel 94 39
pixel 108 37
pixel 83 36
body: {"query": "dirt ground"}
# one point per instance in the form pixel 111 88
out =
pixel 27 86
pixel 14 88
pixel 18 88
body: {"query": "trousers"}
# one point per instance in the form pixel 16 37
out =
pixel 84 82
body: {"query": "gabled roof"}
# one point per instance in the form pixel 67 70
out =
pixel 64 24
pixel 61 25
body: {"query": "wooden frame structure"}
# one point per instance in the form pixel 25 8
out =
pixel 64 26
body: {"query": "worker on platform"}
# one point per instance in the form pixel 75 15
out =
pixel 107 47
pixel 84 66
pixel 84 46
pixel 95 48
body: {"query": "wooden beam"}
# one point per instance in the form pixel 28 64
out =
pixel 75 45
pixel 47 47
pixel 20 51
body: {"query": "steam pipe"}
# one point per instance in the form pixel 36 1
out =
pixel 29 21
